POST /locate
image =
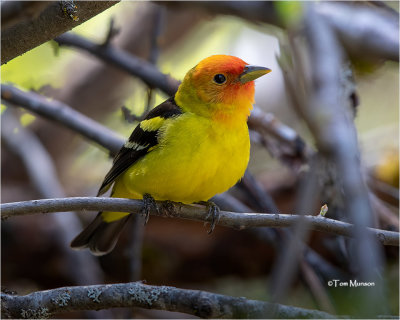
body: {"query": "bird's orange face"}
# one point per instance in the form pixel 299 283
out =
pixel 217 80
pixel 222 84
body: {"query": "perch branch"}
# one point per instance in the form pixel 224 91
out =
pixel 191 212
pixel 202 304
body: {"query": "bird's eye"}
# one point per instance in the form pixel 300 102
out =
pixel 219 78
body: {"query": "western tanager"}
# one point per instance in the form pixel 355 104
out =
pixel 189 148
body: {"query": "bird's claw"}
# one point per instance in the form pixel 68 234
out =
pixel 148 204
pixel 213 213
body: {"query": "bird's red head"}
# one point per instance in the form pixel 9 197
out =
pixel 220 86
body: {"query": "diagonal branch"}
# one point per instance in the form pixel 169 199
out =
pixel 29 33
pixel 123 60
pixel 202 304
pixel 61 113
pixel 192 212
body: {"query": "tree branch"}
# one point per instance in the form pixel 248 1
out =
pixel 203 304
pixel 192 212
pixel 61 113
pixel 360 37
pixel 287 145
pixel 326 112
pixel 352 22
pixel 124 61
pixel 27 34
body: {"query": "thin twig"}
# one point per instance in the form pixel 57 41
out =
pixel 192 212
pixel 203 304
pixel 111 33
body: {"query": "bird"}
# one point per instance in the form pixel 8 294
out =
pixel 189 148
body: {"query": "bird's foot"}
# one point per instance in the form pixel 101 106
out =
pixel 213 213
pixel 148 204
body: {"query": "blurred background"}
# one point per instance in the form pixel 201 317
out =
pixel 35 249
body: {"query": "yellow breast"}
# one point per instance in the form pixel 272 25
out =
pixel 195 159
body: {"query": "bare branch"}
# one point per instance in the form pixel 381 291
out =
pixel 290 148
pixel 192 212
pixel 360 37
pixel 61 113
pixel 52 21
pixel 123 60
pixel 330 121
pixel 326 112
pixel 352 22
pixel 203 304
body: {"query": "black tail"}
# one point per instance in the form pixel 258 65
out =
pixel 99 236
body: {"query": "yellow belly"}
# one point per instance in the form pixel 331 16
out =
pixel 195 160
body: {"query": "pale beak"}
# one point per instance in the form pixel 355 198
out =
pixel 252 72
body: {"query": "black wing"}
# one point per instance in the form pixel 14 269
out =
pixel 139 143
